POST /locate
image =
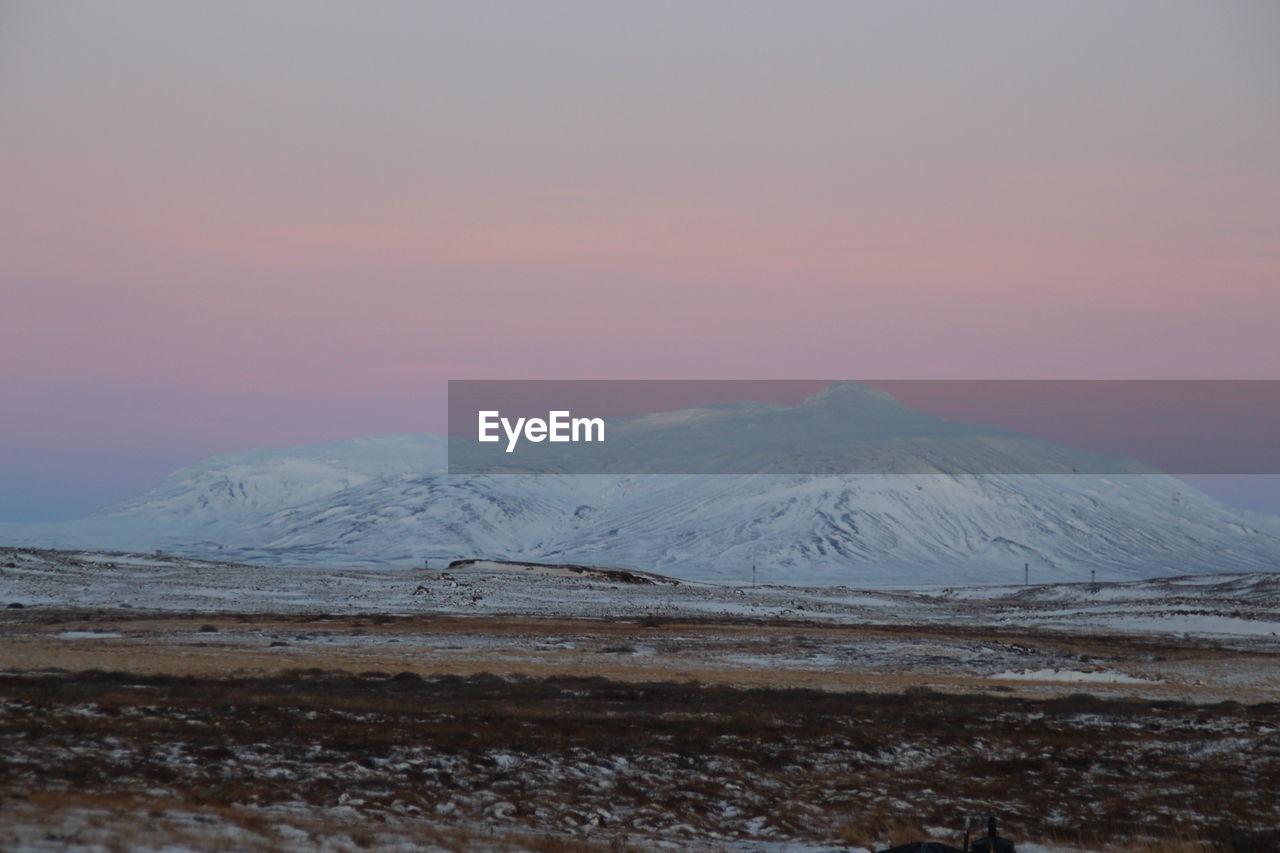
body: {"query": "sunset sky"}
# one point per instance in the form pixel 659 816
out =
pixel 240 224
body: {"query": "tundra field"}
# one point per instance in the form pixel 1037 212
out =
pixel 158 702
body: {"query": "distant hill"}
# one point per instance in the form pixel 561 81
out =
pixel 387 501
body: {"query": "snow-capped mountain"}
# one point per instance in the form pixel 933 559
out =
pixel 387 501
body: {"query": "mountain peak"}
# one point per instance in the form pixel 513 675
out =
pixel 853 394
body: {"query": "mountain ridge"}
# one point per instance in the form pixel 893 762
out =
pixel 386 501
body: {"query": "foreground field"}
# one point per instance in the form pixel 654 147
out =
pixel 373 761
pixel 582 710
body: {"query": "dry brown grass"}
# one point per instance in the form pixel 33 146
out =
pixel 811 764
pixel 178 644
pixel 880 829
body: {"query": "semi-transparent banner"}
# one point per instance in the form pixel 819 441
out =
pixel 864 427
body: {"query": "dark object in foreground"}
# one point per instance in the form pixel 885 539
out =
pixel 990 843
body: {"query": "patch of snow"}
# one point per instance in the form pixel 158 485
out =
pixel 1071 675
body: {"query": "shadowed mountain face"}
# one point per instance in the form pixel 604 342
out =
pixel 386 501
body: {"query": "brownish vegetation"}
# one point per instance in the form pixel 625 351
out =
pixel 723 650
pixel 552 759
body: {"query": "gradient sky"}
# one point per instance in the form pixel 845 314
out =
pixel 227 225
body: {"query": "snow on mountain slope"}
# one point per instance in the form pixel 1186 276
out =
pixel 385 501
pixel 215 503
pixel 794 528
pixel 240 486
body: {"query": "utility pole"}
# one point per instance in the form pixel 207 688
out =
pixel 1026 574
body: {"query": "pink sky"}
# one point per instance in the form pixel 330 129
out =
pixel 228 226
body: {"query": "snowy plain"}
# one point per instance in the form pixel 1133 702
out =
pixel 1235 605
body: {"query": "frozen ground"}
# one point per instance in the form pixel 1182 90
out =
pixel 155 702
pixel 334 761
pixel 1192 637
pixel 1241 605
